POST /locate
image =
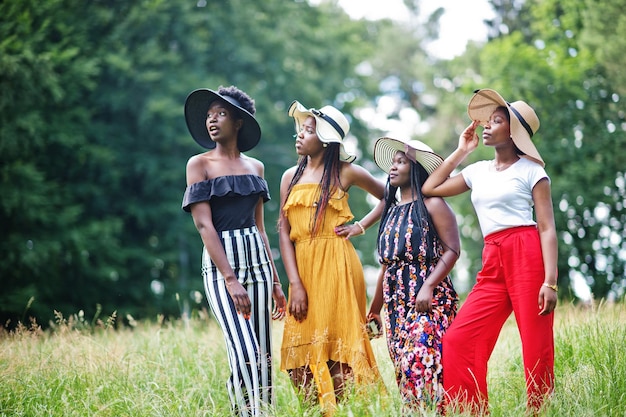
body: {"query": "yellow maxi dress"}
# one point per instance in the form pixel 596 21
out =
pixel 332 275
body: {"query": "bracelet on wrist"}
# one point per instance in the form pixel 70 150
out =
pixel 553 287
pixel 358 223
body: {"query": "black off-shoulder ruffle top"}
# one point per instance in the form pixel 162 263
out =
pixel 233 199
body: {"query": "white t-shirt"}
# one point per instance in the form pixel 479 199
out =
pixel 503 199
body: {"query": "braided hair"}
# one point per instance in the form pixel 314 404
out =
pixel 417 176
pixel 328 184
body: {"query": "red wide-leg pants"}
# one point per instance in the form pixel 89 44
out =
pixel 510 280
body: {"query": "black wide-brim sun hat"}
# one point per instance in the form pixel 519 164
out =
pixel 196 107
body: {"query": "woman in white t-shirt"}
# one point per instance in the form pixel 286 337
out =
pixel 519 260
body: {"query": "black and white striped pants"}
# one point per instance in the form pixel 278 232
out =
pixel 248 342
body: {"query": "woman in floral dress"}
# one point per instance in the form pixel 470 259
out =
pixel 418 244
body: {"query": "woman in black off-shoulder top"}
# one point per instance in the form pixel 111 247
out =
pixel 225 195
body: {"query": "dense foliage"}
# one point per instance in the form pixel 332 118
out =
pixel 93 144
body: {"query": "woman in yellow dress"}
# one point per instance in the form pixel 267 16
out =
pixel 325 343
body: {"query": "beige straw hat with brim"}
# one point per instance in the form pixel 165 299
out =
pixel 524 122
pixel 331 125
pixel 385 149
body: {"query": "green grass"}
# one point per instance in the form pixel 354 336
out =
pixel 180 368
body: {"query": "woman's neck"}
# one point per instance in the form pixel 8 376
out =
pixel 503 161
pixel 228 151
pixel 407 195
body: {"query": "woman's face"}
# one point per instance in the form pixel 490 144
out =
pixel 222 122
pixel 400 172
pixel 307 142
pixel 497 130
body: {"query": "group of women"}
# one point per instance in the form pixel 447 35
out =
pixel 439 355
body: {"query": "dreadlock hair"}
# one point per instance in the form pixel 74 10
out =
pixel 418 176
pixel 329 183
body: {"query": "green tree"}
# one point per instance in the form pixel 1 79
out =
pixel 544 57
pixel 93 141
pixel 45 77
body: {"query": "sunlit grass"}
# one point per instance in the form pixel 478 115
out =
pixel 180 368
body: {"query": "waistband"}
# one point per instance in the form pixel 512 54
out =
pixel 246 231
pixel 317 237
pixel 501 234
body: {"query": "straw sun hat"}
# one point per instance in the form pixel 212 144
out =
pixel 524 122
pixel 386 148
pixel 331 125
pixel 196 107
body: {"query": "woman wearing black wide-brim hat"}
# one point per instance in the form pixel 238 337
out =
pixel 512 198
pixel 225 195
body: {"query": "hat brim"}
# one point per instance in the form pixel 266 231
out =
pixel 196 107
pixel 385 149
pixel 482 105
pixel 325 132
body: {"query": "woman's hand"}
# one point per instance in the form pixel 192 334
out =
pixel 424 298
pixel 376 317
pixel 240 297
pixel 280 302
pixel 547 300
pixel 298 303
pixel 348 230
pixel 468 141
pixel 379 323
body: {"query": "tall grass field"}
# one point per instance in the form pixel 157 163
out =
pixel 161 368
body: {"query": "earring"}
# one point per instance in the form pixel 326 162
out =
pixel 325 145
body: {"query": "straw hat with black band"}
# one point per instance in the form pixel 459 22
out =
pixel 331 126
pixel 524 122
pixel 196 107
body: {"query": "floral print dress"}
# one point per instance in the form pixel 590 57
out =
pixel 414 338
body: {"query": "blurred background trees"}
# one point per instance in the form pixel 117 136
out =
pixel 93 142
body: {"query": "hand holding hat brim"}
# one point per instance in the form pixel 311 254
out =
pixel 524 121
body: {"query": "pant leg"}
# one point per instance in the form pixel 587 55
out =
pixel 525 274
pixel 248 343
pixel 260 286
pixel 471 338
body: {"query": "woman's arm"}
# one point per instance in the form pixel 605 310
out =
pixel 377 301
pixel 544 214
pixel 353 174
pixel 446 226
pixel 360 226
pixel 298 301
pixel 439 183
pixel 203 220
pixel 277 290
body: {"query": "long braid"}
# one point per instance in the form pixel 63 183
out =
pixel 296 177
pixel 418 177
pixel 328 184
pixel 390 200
